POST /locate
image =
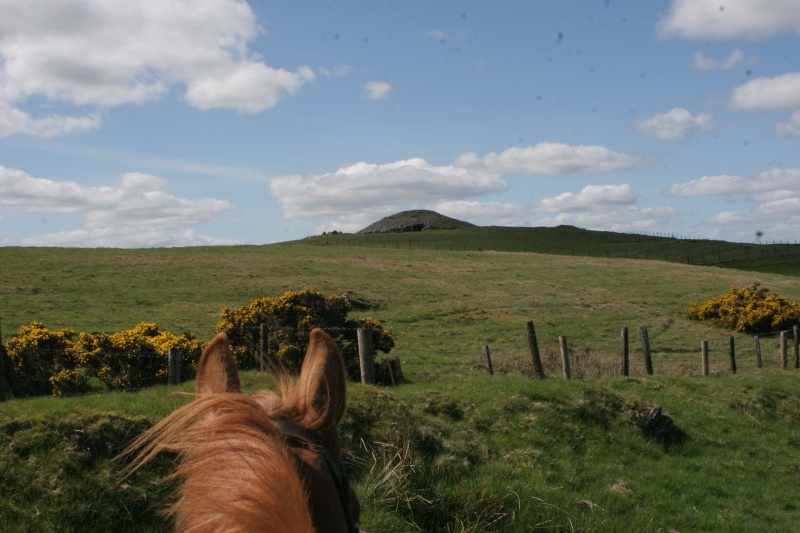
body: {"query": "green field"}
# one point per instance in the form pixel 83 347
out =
pixel 455 449
pixel 781 258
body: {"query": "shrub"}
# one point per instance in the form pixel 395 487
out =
pixel 139 356
pixel 46 362
pixel 288 320
pixel 749 310
pixel 68 382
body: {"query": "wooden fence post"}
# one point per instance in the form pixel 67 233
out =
pixel 565 370
pixel 533 346
pixel 759 362
pixel 487 360
pixel 174 362
pixel 648 358
pixel 626 354
pixel 262 346
pixel 732 353
pixel 784 350
pixel 3 386
pixel 366 358
pixel 796 334
pixel 704 353
pixel 394 370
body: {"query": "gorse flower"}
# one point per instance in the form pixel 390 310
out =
pixel 139 356
pixel 40 356
pixel 749 310
pixel 287 320
pixel 51 362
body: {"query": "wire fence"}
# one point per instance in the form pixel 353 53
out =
pixel 591 357
pixel 437 353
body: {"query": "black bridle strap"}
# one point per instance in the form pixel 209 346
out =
pixel 292 431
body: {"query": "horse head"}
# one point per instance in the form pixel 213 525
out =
pixel 265 462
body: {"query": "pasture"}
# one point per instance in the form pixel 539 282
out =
pixel 455 449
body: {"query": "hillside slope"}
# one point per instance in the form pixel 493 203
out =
pixel 778 258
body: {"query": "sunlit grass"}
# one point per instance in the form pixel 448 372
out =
pixel 504 450
pixel 455 449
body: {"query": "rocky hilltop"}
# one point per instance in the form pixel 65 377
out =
pixel 417 220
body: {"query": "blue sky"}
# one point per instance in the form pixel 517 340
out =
pixel 152 123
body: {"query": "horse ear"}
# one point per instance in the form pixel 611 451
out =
pixel 216 371
pixel 322 380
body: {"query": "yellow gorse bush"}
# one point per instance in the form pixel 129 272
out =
pixel 50 362
pixel 287 320
pixel 40 356
pixel 138 357
pixel 749 310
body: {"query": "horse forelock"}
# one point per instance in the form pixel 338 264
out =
pixel 236 472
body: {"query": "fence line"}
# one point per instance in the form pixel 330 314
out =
pixel 165 327
pixel 593 363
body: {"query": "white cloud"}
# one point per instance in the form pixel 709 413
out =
pixel 552 159
pixel 766 212
pixel 485 213
pixel 14 120
pixel 677 124
pixel 768 94
pixel 600 207
pixel 105 53
pixel 382 187
pixel 356 195
pixel 773 218
pixel 590 198
pixel 790 128
pixel 704 63
pixel 721 185
pixel 621 219
pixel 126 237
pixel 248 87
pixel 775 193
pixel 134 207
pixel 355 221
pixel 712 19
pixel 377 90
pixel 782 182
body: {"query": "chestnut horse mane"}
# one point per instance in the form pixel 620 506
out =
pixel 236 471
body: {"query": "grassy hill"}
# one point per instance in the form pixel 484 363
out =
pixel 416 220
pixel 456 449
pixel 569 240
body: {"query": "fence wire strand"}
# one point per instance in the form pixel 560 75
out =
pixel 590 358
